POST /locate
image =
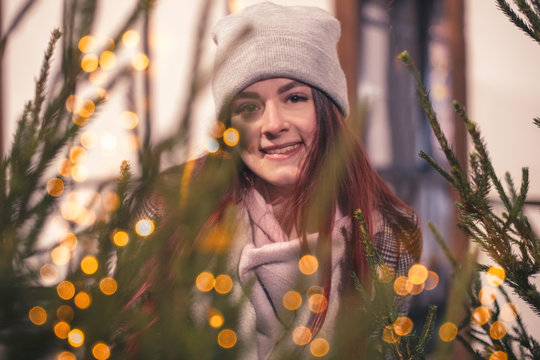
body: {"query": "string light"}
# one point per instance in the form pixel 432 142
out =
pixel 64 167
pixel 403 325
pixel 211 145
pixel 48 273
pixel 144 227
pixel 88 139
pixel 223 284
pixel 120 238
pixel 499 355
pixel 66 355
pixel 37 315
pixel 89 264
pixel 509 312
pixel 227 338
pixel 319 347
pixel 66 290
pixel 77 154
pixel 65 313
pixel 432 280
pixel 108 286
pixel 495 276
pixel 389 335
pixel 76 338
pixel 55 187
pixel 481 315
pixel 448 331
pixel 400 285
pixel 231 137
pixel 62 329
pixel 70 241
pixel 79 173
pixel 205 281
pixel 317 303
pixel 129 120
pixel 89 63
pixel 301 335
pixel 418 274
pixel 487 296
pixel 131 38
pixel 107 60
pixel 87 43
pixel 82 300
pixel 308 264
pixel 292 300
pixel 60 255
pixel 497 330
pixel 140 61
pixel 101 351
pixel 111 201
pixel 215 318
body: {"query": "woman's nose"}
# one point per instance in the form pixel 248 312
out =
pixel 273 122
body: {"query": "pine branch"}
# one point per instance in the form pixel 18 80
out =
pixel 427 330
pixel 536 121
pixel 511 14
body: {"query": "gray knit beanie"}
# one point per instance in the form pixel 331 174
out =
pixel 268 40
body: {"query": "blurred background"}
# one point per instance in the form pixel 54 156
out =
pixel 466 50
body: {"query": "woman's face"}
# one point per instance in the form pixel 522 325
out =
pixel 277 123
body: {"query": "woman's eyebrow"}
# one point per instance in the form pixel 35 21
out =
pixel 246 95
pixel 289 86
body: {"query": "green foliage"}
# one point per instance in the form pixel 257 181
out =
pixel 526 16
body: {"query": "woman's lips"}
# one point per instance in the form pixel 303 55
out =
pixel 281 151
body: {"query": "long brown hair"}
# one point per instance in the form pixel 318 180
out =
pixel 336 172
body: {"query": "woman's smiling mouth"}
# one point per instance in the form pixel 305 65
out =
pixel 281 151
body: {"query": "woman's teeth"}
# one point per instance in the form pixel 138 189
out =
pixel 283 150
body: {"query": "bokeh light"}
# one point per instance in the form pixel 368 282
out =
pixel 89 63
pixel 495 276
pixel 60 255
pixel 120 238
pixel 432 280
pixel 101 351
pixel 415 289
pixel 72 102
pixel 62 329
pixel 76 338
pixel 111 201
pixel 107 60
pixel 79 173
pixel 418 274
pixel 315 289
pixel 235 6
pixel 215 318
pixel 385 273
pixel 292 300
pixel 223 284
pixel 499 355
pixel 70 241
pixel 211 145
pixel 88 139
pixel 131 38
pixel 89 264
pixel 319 347
pixel 231 137
pixel 55 187
pixel 509 312
pixel 403 325
pixel 497 330
pixel 129 120
pixel 108 141
pixel 37 315
pixel 82 300
pixel 64 167
pixel 87 43
pixel 317 303
pixel 487 295
pixel 301 335
pixel 481 315
pixel 402 285
pixel 448 331
pixel 65 313
pixel 205 281
pixel 66 355
pixel 140 61
pixel 217 128
pixel 308 264
pixel 108 286
pixel 389 335
pixel 66 290
pixel 144 227
pixel 226 338
pixel 48 273
pixel 77 154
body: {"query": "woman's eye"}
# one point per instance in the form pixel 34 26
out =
pixel 297 98
pixel 246 108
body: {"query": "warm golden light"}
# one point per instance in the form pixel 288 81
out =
pixel 308 264
pixel 108 286
pixel 495 276
pixel 66 290
pixel 509 312
pixel 144 227
pixel 217 129
pixel 77 154
pixel 48 273
pixel 227 338
pixel 481 315
pixel 385 273
pixel 205 281
pixel 72 102
pixel 317 303
pixel 315 289
pixel 87 43
pixel 64 167
pixel 69 241
pixel 403 325
pixel 292 300
pixel 37 315
pixel 55 187
pixel 401 285
pixel 89 264
pixel 76 338
pixel 60 255
pixel 101 351
pixel 129 120
pixel 301 335
pixel 79 173
pixel 61 329
pixel 140 61
pixel 131 38
pixel 211 145
pixel 432 280
pixel 215 318
pixel 107 60
pixel 89 62
pixel 497 330
pixel 231 137
pixel 319 347
pixel 418 274
pixel 88 139
pixel 120 238
pixel 82 300
pixel 448 331
pixel 499 355
pixel 416 289
pixel 111 201
pixel 66 355
pixel 65 313
pixel 223 284
pixel 389 335
pixel 487 295
pixel 108 141
pixel 235 6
